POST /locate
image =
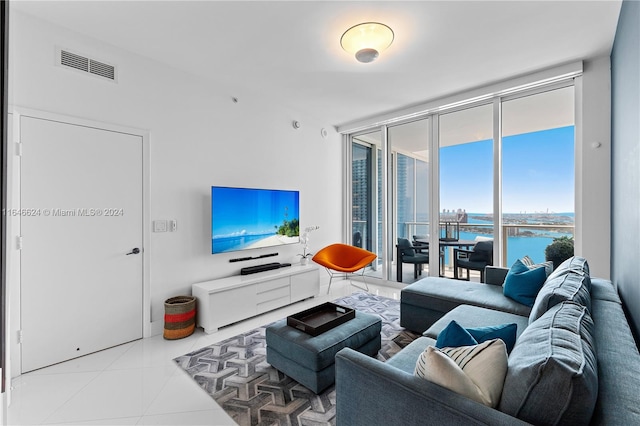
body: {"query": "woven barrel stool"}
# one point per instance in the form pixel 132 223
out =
pixel 179 317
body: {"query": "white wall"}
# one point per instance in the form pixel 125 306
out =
pixel 625 204
pixel 199 137
pixel 593 166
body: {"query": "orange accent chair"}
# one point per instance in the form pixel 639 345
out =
pixel 344 259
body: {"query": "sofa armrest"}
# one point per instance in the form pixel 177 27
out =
pixel 370 392
pixel 495 275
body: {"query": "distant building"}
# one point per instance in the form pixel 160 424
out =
pixel 459 216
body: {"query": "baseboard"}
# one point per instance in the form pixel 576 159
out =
pixel 157 327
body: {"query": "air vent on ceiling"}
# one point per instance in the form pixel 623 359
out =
pixel 102 69
pixel 85 64
pixel 74 61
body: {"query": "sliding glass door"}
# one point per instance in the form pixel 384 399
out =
pixel 499 169
pixel 410 200
pixel 366 188
pixel 466 179
pixel 537 172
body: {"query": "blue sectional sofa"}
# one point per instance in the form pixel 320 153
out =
pixel 574 362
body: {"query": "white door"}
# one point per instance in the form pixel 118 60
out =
pixel 81 216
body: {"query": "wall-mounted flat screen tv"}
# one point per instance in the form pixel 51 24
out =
pixel 247 218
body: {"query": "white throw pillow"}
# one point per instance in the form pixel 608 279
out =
pixel 548 265
pixel 477 372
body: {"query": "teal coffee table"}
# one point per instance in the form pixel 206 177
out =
pixel 310 360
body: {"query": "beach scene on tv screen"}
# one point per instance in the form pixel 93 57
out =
pixel 243 218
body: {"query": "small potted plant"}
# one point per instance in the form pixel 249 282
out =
pixel 559 250
pixel 304 239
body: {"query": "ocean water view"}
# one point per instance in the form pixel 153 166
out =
pixel 537 187
pixel 521 241
pixel 528 241
pixel 518 247
pixel 236 242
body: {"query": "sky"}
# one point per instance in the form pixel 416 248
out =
pixel 236 210
pixel 537 175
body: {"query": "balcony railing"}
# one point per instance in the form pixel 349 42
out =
pixel 518 239
pixel 511 232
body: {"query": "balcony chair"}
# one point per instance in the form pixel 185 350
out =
pixel 475 259
pixel 406 253
pixel 357 239
pixel 344 259
pixel 420 246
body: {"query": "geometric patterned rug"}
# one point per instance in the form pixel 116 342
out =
pixel 236 375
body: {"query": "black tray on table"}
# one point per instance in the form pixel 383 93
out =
pixel 321 318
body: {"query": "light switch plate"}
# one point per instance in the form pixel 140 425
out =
pixel 159 226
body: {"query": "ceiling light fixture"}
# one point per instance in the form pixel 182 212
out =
pixel 367 40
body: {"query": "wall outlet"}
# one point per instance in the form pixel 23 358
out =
pixel 159 226
pixel 173 225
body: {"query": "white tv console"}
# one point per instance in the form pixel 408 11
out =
pixel 231 299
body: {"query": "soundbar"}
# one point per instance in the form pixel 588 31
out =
pixel 261 268
pixel 242 259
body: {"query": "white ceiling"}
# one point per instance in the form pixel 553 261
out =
pixel 290 52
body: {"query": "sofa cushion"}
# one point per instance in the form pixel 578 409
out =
pixel 444 294
pixel 603 290
pixel 454 335
pixel 476 317
pixel 406 359
pixel 569 286
pixel 522 284
pixel 618 366
pixel 575 264
pixel 476 372
pixel 553 375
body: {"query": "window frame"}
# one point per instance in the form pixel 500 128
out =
pixel 432 114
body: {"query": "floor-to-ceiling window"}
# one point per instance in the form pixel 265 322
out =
pixel 537 172
pixel 409 177
pixel 466 177
pixel 361 196
pixel 405 194
pixel 366 192
pixel 501 168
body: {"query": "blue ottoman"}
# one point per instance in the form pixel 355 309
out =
pixel 311 360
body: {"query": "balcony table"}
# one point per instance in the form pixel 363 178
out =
pixel 447 243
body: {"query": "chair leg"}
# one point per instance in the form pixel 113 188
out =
pixel 346 275
pixel 399 271
pixel 455 271
pixel 330 279
pixel 366 286
pixel 468 274
pixel 331 276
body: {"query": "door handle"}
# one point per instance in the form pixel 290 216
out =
pixel 134 251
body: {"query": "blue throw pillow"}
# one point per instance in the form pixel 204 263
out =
pixel 506 332
pixel 453 336
pixel 523 284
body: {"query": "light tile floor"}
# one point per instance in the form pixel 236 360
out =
pixel 138 383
